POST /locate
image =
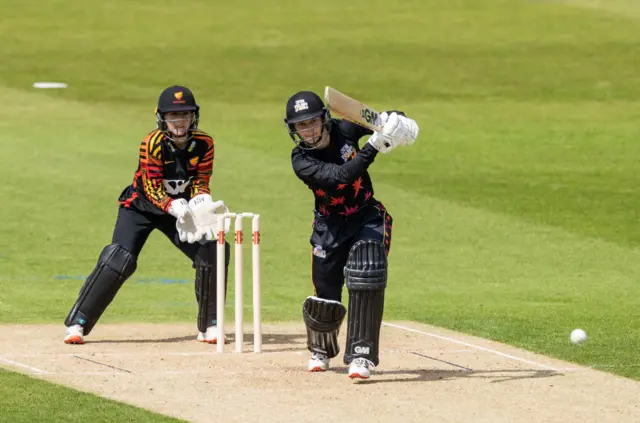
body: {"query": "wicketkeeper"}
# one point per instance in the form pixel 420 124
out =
pixel 170 192
pixel 351 229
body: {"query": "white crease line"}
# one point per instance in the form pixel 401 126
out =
pixel 155 373
pixel 405 328
pixel 233 353
pixel 24 366
pixel 162 354
pixel 466 344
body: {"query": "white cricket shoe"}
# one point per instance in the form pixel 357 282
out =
pixel 360 368
pixel 318 363
pixel 210 336
pixel 75 335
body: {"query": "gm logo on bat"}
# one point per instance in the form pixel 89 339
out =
pixel 369 115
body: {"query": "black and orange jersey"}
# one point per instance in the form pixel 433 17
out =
pixel 337 174
pixel 166 172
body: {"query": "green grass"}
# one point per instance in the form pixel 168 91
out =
pixel 25 400
pixel 515 212
pixel 621 7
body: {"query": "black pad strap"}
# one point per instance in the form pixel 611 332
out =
pixel 205 283
pixel 115 265
pixel 323 319
pixel 366 280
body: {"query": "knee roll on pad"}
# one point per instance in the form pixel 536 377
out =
pixel 205 283
pixel 115 266
pixel 366 267
pixel 323 319
pixel 366 280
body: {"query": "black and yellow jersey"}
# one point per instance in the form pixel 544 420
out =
pixel 166 172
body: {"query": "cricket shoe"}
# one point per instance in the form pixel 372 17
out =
pixel 75 335
pixel 360 368
pixel 210 336
pixel 318 363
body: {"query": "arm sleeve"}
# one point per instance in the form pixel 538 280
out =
pixel 204 170
pixel 318 173
pixel 151 169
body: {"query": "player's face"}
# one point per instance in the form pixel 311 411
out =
pixel 178 123
pixel 311 132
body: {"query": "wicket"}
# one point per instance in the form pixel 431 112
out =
pixel 257 302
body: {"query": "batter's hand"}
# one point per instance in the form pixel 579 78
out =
pixel 382 142
pixel 405 132
pixel 410 131
pixel 392 135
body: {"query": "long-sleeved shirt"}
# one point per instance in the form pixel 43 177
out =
pixel 337 175
pixel 166 172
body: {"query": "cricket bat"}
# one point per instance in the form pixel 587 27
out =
pixel 352 110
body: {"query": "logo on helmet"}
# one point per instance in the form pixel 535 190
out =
pixel 301 105
pixel 178 98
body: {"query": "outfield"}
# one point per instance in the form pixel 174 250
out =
pixel 515 213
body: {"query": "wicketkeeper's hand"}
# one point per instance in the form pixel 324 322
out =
pixel 178 208
pixel 206 214
pixel 187 230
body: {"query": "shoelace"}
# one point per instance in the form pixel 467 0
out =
pixel 319 357
pixel 363 362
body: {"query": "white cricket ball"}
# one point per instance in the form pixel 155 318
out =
pixel 578 336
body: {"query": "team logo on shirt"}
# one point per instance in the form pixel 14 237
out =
pixel 176 186
pixel 347 152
